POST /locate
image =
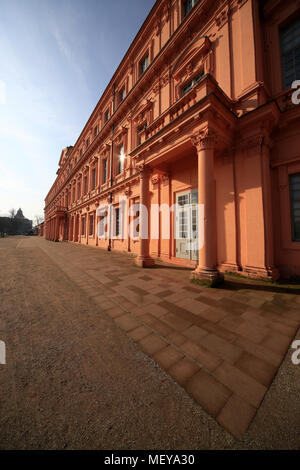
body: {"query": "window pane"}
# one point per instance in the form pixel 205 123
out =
pixel 290 52
pixel 295 205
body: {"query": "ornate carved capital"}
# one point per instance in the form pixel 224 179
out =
pixel 127 191
pixel 141 167
pixel 205 138
pixel 155 179
pixel 165 177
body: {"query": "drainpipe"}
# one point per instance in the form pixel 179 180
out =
pixel 111 167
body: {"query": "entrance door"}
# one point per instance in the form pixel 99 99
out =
pixel 186 225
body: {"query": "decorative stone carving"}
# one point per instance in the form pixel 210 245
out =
pixel 141 167
pixel 165 79
pixel 165 178
pixel 204 138
pixel 189 69
pixel 222 18
pixel 127 191
pixel 157 26
pixel 155 179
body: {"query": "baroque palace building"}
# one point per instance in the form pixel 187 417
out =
pixel 199 110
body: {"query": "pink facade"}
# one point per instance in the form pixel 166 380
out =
pixel 199 110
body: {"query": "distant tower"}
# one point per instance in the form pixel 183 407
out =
pixel 19 214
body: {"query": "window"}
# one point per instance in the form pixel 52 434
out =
pixel 87 143
pixel 144 64
pixel 295 206
pixel 85 184
pixel 80 153
pixel 122 95
pixel 121 158
pixel 290 53
pixel 188 5
pixel 91 230
pixel 106 116
pixel 83 226
pixel 117 215
pixel 78 190
pixel 104 170
pixel 73 197
pixel 191 84
pixel 138 221
pixel 94 178
pixel 140 131
pixel 96 131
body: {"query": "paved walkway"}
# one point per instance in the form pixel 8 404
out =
pixel 222 346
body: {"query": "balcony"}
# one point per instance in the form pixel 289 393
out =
pixel 60 210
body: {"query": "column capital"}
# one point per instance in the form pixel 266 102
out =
pixel 142 169
pixel 204 138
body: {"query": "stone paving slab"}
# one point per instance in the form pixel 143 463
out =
pixel 223 347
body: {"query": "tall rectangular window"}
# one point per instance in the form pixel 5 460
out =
pixel 96 131
pixel 140 132
pixel 83 226
pixel 106 116
pixel 104 170
pixel 78 190
pixel 295 206
pixel 117 211
pixel 188 5
pixel 91 231
pixel 122 95
pixel 144 64
pixel 121 157
pixel 290 53
pixel 85 184
pixel 94 178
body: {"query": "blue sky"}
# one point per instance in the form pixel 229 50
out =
pixel 56 58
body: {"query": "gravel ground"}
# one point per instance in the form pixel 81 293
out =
pixel 74 380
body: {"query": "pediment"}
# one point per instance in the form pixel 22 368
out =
pixel 190 56
pixel 141 113
pixel 64 154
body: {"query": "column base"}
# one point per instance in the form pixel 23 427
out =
pixel 270 274
pixel 212 277
pixel 144 262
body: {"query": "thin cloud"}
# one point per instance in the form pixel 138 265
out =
pixel 67 53
pixel 2 92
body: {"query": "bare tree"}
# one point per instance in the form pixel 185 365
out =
pixel 38 219
pixel 12 213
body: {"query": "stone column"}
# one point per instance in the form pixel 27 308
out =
pixel 87 227
pixel 204 141
pixel 56 236
pixel 271 269
pixel 96 223
pixel 144 260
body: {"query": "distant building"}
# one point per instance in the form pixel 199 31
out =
pixel 17 225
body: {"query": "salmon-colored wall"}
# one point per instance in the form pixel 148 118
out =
pixel 237 123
